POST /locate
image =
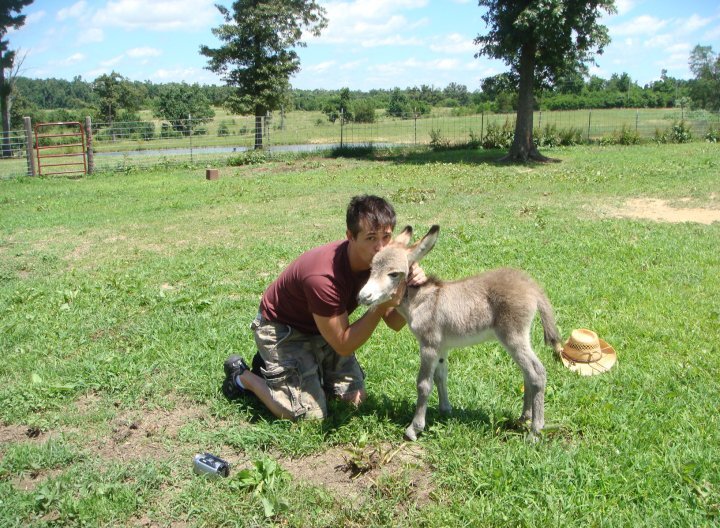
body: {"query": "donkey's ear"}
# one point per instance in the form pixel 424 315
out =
pixel 404 237
pixel 423 247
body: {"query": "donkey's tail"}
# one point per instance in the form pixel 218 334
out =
pixel 550 330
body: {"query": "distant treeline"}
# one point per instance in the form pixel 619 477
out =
pixel 59 99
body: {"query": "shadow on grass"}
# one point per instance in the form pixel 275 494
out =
pixel 419 156
pixel 399 413
pixel 424 155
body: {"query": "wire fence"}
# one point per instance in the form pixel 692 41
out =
pixel 123 146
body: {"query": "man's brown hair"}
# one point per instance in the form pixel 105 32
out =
pixel 376 211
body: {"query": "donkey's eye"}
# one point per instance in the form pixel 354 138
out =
pixel 394 274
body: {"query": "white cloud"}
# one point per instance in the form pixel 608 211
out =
pixel 141 53
pixel 321 67
pixel 659 41
pixel 74 11
pixel 453 43
pixel 73 59
pixel 353 65
pixel 642 25
pixel 393 40
pixel 693 23
pixel 159 15
pixel 624 6
pixel 92 35
pixel 188 75
pixel 368 23
pixel 94 74
pixel 713 33
pixel 33 18
pixel 112 61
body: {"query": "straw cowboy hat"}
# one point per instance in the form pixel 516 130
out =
pixel 585 353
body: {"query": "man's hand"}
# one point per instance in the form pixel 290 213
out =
pixel 416 276
pixel 396 299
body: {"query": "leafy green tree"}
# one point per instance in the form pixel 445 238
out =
pixel 10 17
pixel 400 105
pixel 705 88
pixel 364 111
pixel 258 55
pixel 115 93
pixel 596 84
pixel 621 83
pixel 541 41
pixel 501 91
pixel 456 94
pixel 339 105
pixel 184 106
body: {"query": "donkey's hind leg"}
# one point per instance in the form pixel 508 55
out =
pixel 534 378
pixel 441 375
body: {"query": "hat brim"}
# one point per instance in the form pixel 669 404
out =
pixel 608 358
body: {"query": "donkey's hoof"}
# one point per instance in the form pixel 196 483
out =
pixel 446 411
pixel 532 437
pixel 410 434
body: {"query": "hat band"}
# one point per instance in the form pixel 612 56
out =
pixel 582 354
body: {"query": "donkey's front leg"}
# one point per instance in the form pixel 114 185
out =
pixel 428 360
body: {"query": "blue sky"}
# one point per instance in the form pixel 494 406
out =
pixel 367 44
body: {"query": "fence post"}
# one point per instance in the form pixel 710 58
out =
pixel 89 145
pixel 637 118
pixel 589 118
pixel 342 119
pixel 415 119
pixel 191 135
pixel 29 146
pixel 540 120
pixel 482 125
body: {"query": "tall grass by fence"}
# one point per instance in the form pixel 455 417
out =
pixel 121 146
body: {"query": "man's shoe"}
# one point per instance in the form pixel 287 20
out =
pixel 233 366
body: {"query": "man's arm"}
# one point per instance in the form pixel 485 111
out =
pixel 346 338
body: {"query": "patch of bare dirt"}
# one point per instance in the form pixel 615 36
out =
pixel 29 482
pixel 660 211
pixel 19 433
pixel 144 435
pixel 347 473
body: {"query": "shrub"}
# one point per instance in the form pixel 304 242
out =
pixel 570 136
pixel 249 157
pixel 712 135
pixel 438 141
pixel 499 137
pixel 475 140
pixel 547 137
pixel 223 129
pixel 625 136
pixel 167 131
pixel 679 132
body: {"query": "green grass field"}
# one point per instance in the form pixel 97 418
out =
pixel 121 295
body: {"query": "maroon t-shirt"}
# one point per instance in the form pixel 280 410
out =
pixel 319 281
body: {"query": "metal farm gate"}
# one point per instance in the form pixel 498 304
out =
pixel 61 145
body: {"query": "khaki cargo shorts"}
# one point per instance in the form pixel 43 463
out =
pixel 302 369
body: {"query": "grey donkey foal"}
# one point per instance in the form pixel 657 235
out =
pixel 499 304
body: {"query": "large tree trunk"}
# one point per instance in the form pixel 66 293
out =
pixel 259 114
pixel 523 148
pixel 5 111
